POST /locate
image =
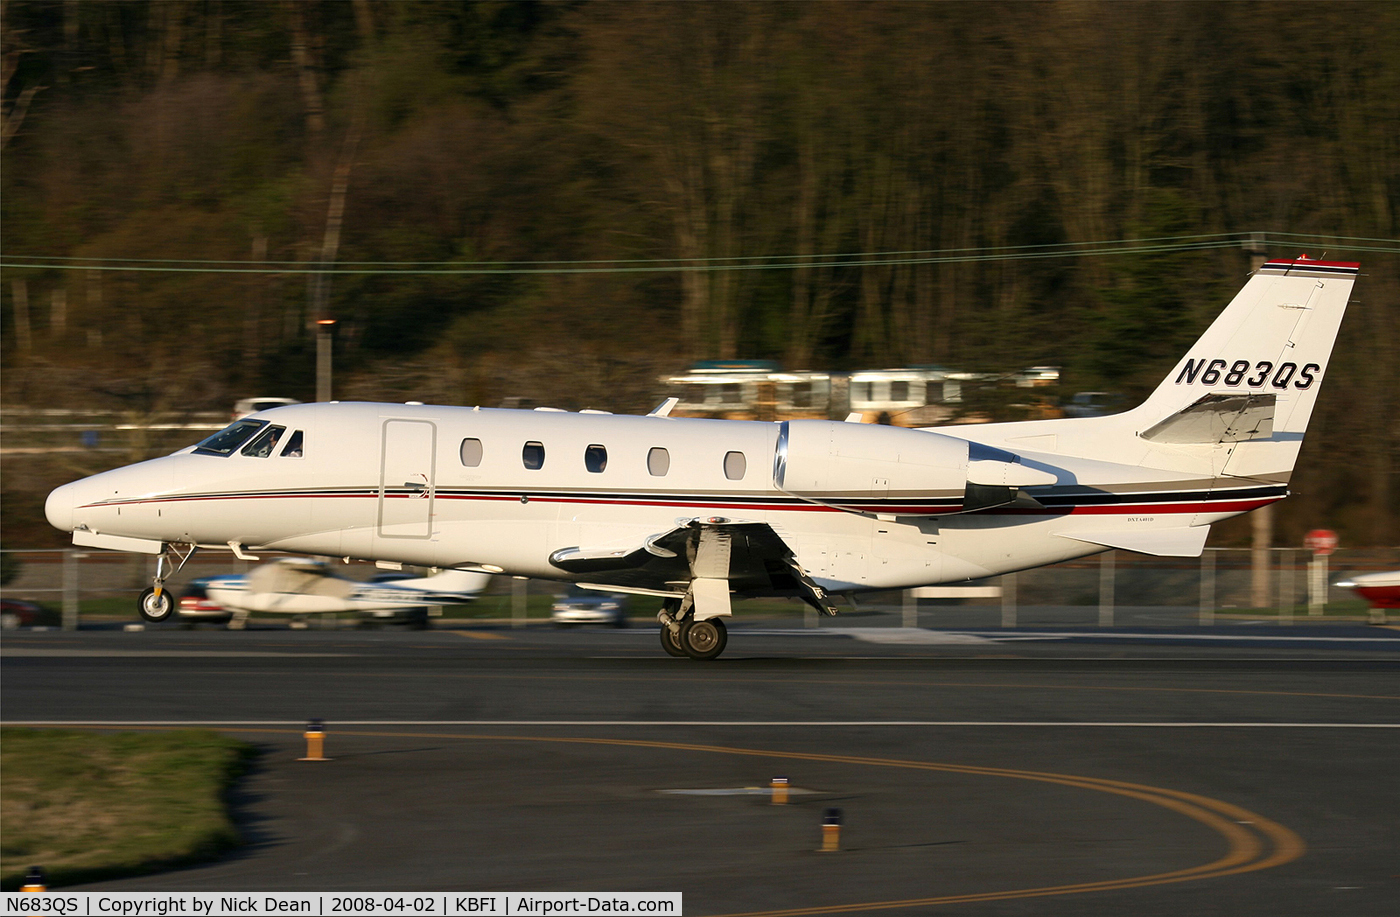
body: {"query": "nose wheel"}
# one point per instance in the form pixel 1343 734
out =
pixel 156 606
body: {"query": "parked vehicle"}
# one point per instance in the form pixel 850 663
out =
pixel 246 406
pixel 15 613
pixel 1095 404
pixel 196 606
pixel 589 608
pixel 414 618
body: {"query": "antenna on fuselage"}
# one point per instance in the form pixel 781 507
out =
pixel 664 408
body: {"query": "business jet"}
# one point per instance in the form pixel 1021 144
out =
pixel 302 586
pixel 694 512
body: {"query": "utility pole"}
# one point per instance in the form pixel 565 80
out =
pixel 325 338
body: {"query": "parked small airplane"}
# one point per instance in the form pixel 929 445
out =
pixel 1381 590
pixel 693 511
pixel 303 586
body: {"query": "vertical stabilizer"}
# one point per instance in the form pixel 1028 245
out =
pixel 1249 384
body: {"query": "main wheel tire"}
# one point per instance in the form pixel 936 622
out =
pixel 704 639
pixel 670 643
pixel 156 608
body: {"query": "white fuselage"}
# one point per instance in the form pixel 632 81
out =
pixel 391 482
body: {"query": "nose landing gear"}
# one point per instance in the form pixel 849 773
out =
pixel 157 604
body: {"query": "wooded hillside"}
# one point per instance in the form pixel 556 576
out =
pixel 562 201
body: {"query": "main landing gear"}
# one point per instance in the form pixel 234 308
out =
pixel 689 637
pixel 157 604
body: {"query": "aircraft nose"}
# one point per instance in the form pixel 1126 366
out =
pixel 59 507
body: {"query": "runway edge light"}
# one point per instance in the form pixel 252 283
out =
pixel 831 831
pixel 315 740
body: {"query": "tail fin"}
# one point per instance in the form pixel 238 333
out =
pixel 1251 380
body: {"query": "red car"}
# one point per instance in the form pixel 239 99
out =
pixel 14 613
pixel 195 605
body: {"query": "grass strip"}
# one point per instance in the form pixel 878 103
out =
pixel 91 806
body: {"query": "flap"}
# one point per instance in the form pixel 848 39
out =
pixel 1184 541
pixel 747 557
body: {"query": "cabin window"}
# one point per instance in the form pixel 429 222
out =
pixel 265 443
pixel 658 461
pixel 801 394
pixel 533 455
pixel 227 440
pixel 595 458
pixel 735 465
pixel 293 447
pixel 899 391
pixel 470 452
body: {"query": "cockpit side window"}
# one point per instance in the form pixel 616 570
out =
pixel 293 447
pixel 265 443
pixel 227 440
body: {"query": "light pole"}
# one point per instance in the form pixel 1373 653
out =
pixel 325 329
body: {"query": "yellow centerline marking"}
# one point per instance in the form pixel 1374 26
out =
pixel 479 634
pixel 1253 842
pixel 1243 855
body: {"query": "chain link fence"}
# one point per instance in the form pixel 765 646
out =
pixel 1116 588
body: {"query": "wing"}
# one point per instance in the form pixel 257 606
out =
pixel 751 556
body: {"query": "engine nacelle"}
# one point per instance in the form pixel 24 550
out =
pixel 892 470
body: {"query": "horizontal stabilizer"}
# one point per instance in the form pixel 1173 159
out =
pixel 1184 541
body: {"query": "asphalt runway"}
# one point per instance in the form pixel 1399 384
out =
pixel 1231 770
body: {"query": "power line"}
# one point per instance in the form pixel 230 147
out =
pixel 1159 245
pixel 462 263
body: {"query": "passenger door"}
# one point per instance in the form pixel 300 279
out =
pixel 407 479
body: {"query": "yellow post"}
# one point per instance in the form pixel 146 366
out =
pixel 315 741
pixel 35 882
pixel 831 831
pixel 780 791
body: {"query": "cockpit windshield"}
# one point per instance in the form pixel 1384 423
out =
pixel 227 440
pixel 265 443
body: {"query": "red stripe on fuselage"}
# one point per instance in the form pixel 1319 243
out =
pixel 1114 509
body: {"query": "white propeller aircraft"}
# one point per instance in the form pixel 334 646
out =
pixel 694 511
pixel 303 586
